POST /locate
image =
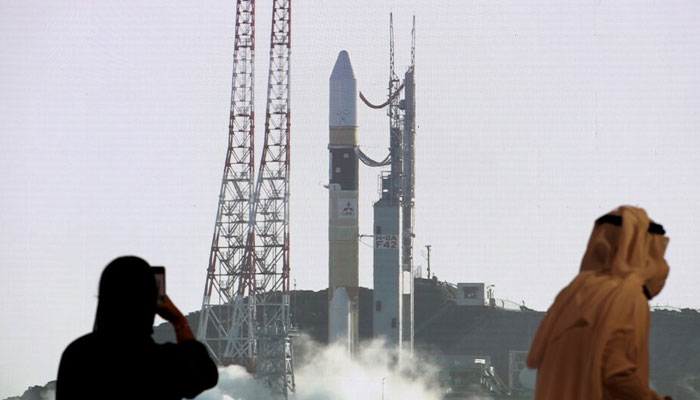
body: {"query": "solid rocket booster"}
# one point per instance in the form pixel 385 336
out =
pixel 343 270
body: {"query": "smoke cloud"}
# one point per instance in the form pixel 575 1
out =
pixel 329 373
pixel 235 384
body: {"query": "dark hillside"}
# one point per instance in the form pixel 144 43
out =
pixel 443 328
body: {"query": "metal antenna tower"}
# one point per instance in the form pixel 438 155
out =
pixel 268 244
pixel 245 312
pixel 226 320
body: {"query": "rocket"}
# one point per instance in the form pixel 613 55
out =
pixel 343 270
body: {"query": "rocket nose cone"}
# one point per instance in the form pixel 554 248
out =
pixel 342 68
pixel 342 93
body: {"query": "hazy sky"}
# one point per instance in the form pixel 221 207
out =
pixel 534 118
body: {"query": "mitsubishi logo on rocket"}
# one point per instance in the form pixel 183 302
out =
pixel 347 209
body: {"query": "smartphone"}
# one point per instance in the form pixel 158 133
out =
pixel 159 273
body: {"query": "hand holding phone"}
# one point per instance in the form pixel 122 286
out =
pixel 167 310
pixel 159 274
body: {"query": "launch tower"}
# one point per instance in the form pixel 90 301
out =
pixel 245 310
pixel 393 212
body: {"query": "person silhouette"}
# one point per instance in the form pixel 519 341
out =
pixel 119 359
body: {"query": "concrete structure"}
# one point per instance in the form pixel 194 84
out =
pixel 343 270
pixel 472 294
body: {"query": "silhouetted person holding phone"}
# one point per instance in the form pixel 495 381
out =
pixel 119 359
pixel 593 343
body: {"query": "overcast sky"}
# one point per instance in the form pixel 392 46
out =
pixel 534 118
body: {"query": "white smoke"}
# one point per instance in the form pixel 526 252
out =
pixel 329 373
pixel 235 383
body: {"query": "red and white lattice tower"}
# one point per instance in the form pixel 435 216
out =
pixel 269 239
pixel 245 311
pixel 226 321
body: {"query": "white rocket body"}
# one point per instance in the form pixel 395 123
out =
pixel 343 269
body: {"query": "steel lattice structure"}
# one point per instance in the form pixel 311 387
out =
pixel 408 184
pixel 395 120
pixel 269 238
pixel 395 209
pixel 245 311
pixel 226 320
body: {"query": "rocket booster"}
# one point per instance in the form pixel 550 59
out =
pixel 343 270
